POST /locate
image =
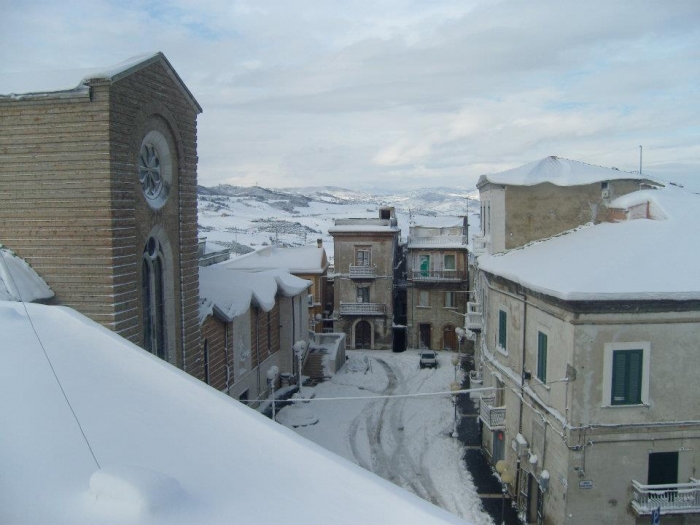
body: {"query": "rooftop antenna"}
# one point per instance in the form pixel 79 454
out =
pixel 640 160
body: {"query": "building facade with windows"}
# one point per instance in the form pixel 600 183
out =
pixel 589 341
pixel 437 284
pixel 366 255
pixel 99 181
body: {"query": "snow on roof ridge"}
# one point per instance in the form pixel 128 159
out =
pixel 19 281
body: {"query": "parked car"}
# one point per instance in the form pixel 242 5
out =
pixel 428 358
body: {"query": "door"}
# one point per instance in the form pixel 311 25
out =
pixel 663 468
pixel 449 338
pixel 424 263
pixel 363 335
pixel 424 332
pixel 499 448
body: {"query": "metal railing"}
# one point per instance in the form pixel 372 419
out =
pixel 676 498
pixel 362 309
pixel 474 316
pixel 437 275
pixel 493 417
pixel 437 240
pixel 363 272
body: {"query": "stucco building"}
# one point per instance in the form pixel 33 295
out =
pixel 99 181
pixel 589 340
pixel 366 252
pixel 437 284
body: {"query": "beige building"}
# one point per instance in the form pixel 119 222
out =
pixel 366 252
pixel 590 341
pixel 99 181
pixel 437 284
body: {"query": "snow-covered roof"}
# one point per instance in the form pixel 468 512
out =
pixel 76 81
pixel 301 259
pixel 641 259
pixel 557 171
pixel 97 430
pixel 18 281
pixel 362 228
pixel 231 292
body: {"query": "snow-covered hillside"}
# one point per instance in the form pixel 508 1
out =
pixel 245 218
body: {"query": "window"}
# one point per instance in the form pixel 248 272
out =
pixel 362 257
pixel 155 169
pixel 153 297
pixel 626 374
pixel 363 294
pixel 450 263
pixel 423 298
pixel 502 328
pixel 542 357
pixel 449 299
pixel 627 377
pixel 424 265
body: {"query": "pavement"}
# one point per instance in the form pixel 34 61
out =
pixel 488 485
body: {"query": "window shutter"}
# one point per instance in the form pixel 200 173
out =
pixel 634 392
pixel 542 357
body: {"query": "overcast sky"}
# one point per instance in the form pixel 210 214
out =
pixel 400 93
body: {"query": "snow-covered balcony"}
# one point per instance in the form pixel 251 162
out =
pixel 363 272
pixel 480 244
pixel 474 316
pixel 362 309
pixel 438 275
pixel 437 241
pixel 677 498
pixel 493 417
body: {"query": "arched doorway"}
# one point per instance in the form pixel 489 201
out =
pixel 449 338
pixel 363 335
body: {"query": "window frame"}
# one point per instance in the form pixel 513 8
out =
pixel 366 259
pixel 542 356
pixel 454 262
pixel 452 302
pixel 421 294
pixel 609 355
pixel 502 334
pixel 362 292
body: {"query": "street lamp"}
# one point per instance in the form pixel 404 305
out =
pixel 299 349
pixel 455 363
pixel 454 387
pixel 506 479
pixel 271 377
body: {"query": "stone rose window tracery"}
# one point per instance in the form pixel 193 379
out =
pixel 155 169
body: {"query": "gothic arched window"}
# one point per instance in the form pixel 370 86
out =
pixel 153 296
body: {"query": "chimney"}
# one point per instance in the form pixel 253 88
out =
pixel 319 243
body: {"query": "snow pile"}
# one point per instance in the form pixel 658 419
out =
pixel 297 415
pixel 92 423
pixel 630 260
pixel 557 171
pixel 301 259
pixel 18 281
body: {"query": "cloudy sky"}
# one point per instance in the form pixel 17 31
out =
pixel 388 94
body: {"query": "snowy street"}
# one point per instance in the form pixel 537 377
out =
pixel 406 440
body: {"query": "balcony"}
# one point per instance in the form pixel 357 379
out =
pixel 677 498
pixel 493 417
pixel 474 317
pixel 363 272
pixel 362 309
pixel 480 244
pixel 437 275
pixel 438 241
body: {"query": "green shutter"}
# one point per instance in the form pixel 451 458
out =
pixel 627 377
pixel 502 322
pixel 542 357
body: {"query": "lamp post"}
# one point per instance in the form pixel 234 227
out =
pixel 454 387
pixel 506 479
pixel 271 377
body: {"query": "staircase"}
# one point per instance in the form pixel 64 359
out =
pixel 313 367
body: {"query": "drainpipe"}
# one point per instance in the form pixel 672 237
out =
pixel 522 394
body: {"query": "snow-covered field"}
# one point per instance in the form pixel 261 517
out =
pixel 249 218
pixel 406 440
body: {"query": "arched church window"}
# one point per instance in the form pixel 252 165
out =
pixel 153 297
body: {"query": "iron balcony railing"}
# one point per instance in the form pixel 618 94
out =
pixel 493 417
pixel 362 309
pixel 363 272
pixel 438 275
pixel 480 244
pixel 676 498
pixel 437 240
pixel 474 316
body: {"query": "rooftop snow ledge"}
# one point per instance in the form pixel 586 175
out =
pixel 123 492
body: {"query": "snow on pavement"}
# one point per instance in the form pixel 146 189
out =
pixel 405 440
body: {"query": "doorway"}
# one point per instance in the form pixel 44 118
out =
pixel 363 335
pixel 424 335
pixel 663 468
pixel 449 338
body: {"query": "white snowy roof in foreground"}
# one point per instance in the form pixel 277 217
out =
pixel 76 81
pixel 301 259
pixel 171 450
pixel 231 292
pixel 18 281
pixel 640 259
pixel 557 171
